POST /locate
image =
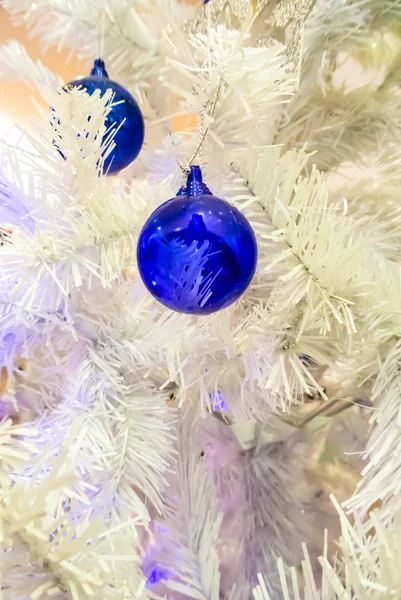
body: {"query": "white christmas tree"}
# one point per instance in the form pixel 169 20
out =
pixel 150 452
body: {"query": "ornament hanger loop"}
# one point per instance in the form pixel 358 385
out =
pixel 203 131
pixel 285 12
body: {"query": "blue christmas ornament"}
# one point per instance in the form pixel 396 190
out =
pixel 196 253
pixel 125 117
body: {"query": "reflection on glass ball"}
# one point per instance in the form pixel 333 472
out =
pixel 196 253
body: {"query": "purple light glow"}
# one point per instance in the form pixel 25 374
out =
pixel 156 576
pixel 220 402
pixel 13 213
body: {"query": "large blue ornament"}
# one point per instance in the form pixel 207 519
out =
pixel 125 117
pixel 196 253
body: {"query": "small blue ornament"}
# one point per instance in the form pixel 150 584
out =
pixel 196 253
pixel 125 117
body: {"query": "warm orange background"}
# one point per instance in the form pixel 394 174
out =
pixel 15 97
pixel 16 104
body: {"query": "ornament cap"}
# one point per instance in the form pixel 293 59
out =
pixel 99 68
pixel 194 186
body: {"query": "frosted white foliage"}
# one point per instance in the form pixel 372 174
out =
pixel 330 24
pixel 369 568
pixel 108 466
pixel 253 76
pixel 381 479
pixel 113 29
pixel 234 88
pixel 16 64
pixel 56 549
pixel 315 278
pixel 78 250
pixel 75 243
pixel 129 428
pixel 14 452
pixel 334 125
pixel 309 267
pixel 252 488
pixel 191 525
pixel 331 110
pixel 334 26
